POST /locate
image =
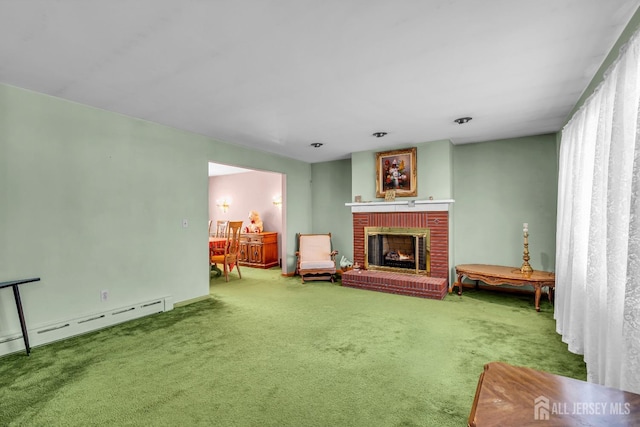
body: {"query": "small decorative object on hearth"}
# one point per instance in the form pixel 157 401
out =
pixel 526 268
pixel 345 264
pixel 390 196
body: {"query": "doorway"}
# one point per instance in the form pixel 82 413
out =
pixel 234 191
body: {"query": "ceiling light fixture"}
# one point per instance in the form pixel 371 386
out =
pixel 462 120
pixel 317 144
pixel 379 134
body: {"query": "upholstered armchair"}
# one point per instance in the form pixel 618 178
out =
pixel 316 259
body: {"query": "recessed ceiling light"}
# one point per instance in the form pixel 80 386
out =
pixel 317 144
pixel 462 120
pixel 379 134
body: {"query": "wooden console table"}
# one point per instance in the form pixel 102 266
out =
pixel 515 396
pixel 16 294
pixel 500 275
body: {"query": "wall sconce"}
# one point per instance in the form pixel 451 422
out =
pixel 277 201
pixel 223 204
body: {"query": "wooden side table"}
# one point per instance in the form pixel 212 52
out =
pixel 501 275
pixel 16 294
pixel 516 396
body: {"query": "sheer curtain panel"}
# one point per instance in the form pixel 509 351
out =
pixel 597 307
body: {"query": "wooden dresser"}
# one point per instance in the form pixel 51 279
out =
pixel 259 249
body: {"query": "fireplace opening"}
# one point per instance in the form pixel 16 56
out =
pixel 398 249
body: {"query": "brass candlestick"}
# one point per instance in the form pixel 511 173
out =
pixel 526 268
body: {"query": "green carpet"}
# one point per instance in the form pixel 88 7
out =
pixel 271 351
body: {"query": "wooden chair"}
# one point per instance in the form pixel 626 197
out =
pixel 229 258
pixel 316 259
pixel 221 228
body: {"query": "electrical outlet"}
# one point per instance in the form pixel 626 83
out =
pixel 104 295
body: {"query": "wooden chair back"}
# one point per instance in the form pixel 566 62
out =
pixel 229 259
pixel 221 228
pixel 233 238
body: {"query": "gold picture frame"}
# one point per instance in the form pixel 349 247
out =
pixel 396 170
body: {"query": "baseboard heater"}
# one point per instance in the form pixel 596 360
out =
pixel 45 334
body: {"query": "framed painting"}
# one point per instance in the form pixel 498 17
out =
pixel 396 170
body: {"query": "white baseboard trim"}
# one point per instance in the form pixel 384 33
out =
pixel 48 333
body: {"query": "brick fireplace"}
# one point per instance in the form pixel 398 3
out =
pixel 430 215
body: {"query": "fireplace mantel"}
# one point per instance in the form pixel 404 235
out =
pixel 402 206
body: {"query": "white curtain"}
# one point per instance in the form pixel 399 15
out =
pixel 597 307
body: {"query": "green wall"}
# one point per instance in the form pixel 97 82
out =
pixel 498 186
pixel 93 200
pixel 434 168
pixel 331 189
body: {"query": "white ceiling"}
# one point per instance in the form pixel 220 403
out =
pixel 280 75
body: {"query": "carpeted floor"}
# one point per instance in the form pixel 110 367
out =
pixel 271 351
